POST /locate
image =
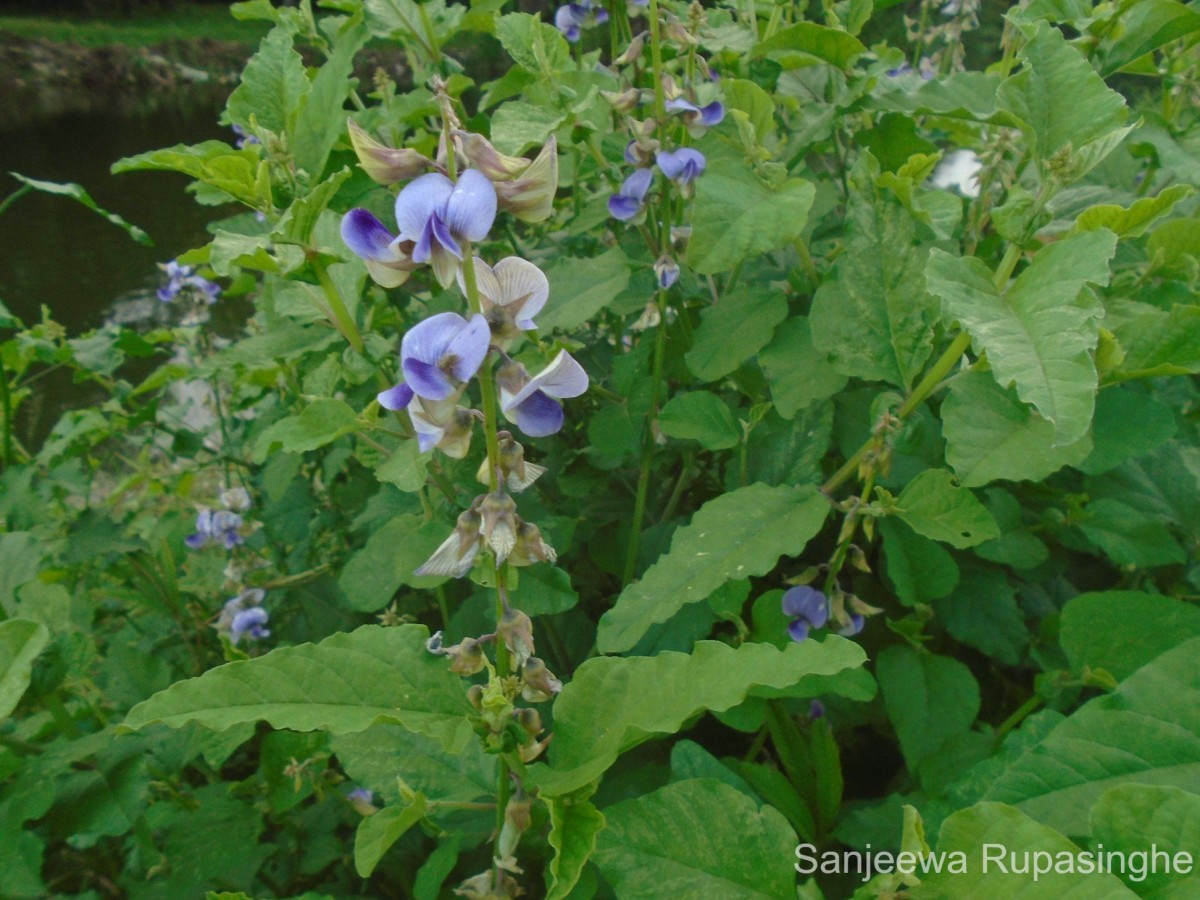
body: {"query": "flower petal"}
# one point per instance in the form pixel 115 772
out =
pixel 683 165
pixel 538 415
pixel 681 105
pixel 396 398
pixel 428 340
pixel 469 348
pixel 623 208
pixel 637 184
pixel 445 264
pixel 563 378
pixel 444 237
pixel 485 282
pixel 522 285
pixel 471 208
pixel 367 236
pixel 420 199
pixel 427 380
pixel 798 630
pixel 386 276
pixel 806 603
pixel 855 626
pixel 712 114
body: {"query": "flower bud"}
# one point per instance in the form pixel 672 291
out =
pixel 667 272
pixel 466 658
pixel 539 682
pixel 530 196
pixel 475 696
pixel 517 473
pixel 623 101
pixel 530 546
pixel 499 528
pixel 530 721
pixel 480 154
pixel 385 165
pixel 531 751
pixel 457 553
pixel 633 51
pixel 516 630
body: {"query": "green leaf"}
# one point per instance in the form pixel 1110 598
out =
pixel 273 85
pixel 1133 221
pixel 787 452
pixel 1121 631
pixel 405 468
pixel 982 611
pixel 1147 732
pixel 798 373
pixel 798 45
pixel 1012 838
pixel 1143 27
pixel 580 288
pixel 345 683
pixel 533 44
pixel 388 560
pixel 1138 817
pixel 738 535
pixel 933 505
pixel 78 194
pixel 213 162
pixel 1128 423
pixel 1087 114
pixel 698 838
pixel 736 216
pixel 1161 343
pixel 322 422
pixel 615 703
pixel 991 435
pixel 1037 334
pixel 320 121
pixel 517 125
pixel 919 569
pixel 873 317
pixel 959 95
pixel 1174 246
pixel 574 826
pixel 700 416
pixel 377 833
pixel 21 640
pixel 930 699
pixel 1128 537
pixel 377 757
pixel 546 591
pixel 732 330
pixel 756 103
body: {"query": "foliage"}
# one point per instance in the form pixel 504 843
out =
pixel 626 475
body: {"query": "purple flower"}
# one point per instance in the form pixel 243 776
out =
pixel 388 259
pixel 361 795
pixel 807 607
pixel 666 270
pixel 511 294
pixel 816 710
pixel 854 626
pixel 244 138
pixel 216 527
pixel 436 214
pixel 683 166
pixel 573 17
pixel 184 278
pixel 530 403
pixel 441 354
pixel 697 118
pixel 244 617
pixel 627 202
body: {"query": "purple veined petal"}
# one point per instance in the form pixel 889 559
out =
pixel 444 236
pixel 428 340
pixel 485 283
pixel 563 378
pixel 637 184
pixel 684 165
pixel 196 541
pixel 681 106
pixel 427 380
pixel 423 249
pixel 712 114
pixel 538 415
pixel 523 286
pixel 395 398
pixel 469 348
pixel 471 209
pixel 856 625
pixel 367 236
pixel 797 630
pixel 623 208
pixel 806 603
pixel 445 264
pixel 567 18
pixel 420 199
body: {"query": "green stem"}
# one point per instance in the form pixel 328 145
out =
pixel 14 197
pixel 1016 718
pixel 487 383
pixel 660 100
pixel 341 315
pixel 6 451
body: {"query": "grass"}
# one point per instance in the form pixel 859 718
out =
pixel 184 23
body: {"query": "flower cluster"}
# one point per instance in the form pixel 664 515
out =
pixel 244 617
pixel 221 526
pixel 574 17
pixel 810 609
pixel 184 280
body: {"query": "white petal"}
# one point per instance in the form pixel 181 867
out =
pixel 564 377
pixel 522 282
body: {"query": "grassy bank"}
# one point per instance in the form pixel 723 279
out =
pixel 185 23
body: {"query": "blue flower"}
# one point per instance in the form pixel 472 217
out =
pixel 682 166
pixel 807 607
pixel 697 118
pixel 184 278
pixel 666 270
pixel 627 202
pixel 244 138
pixel 573 17
pixel 854 626
pixel 244 617
pixel 530 403
pixel 442 353
pixel 511 294
pixel 388 259
pixel 216 527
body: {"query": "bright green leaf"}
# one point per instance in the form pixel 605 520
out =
pixel 574 827
pixel 930 699
pixel 1121 631
pixel 732 330
pixel 21 640
pixel 517 125
pixel 322 422
pixel 580 288
pixel 700 416
pixel 405 468
pixel 1139 818
pixel 1128 537
pixel 272 86
pixel 78 194
pixel 798 373
pixel 919 569
pixel 933 505
pixel 377 833
pixel 791 45
pixel 1133 221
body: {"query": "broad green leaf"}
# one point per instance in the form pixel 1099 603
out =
pixel 388 560
pixel 1012 838
pixel 21 640
pixel 991 435
pixel 872 317
pixel 1163 485
pixel 78 194
pixel 377 833
pixel 404 20
pixel 518 125
pixel 930 699
pixel 320 121
pixel 797 45
pixel 1134 818
pixel 20 559
pixel 738 535
pixel 732 330
pixel 1143 27
pixel 297 224
pixel 736 216
pixel 787 452
pixel 615 703
pixel 1146 732
pixel 1133 221
pixel 580 288
pixel 213 162
pixel 933 505
pixel 756 103
pixel 1161 343
pixel 1121 631
pixel 533 44
pixel 1128 537
pixel 405 468
pixel 546 591
pixel 919 569
pixel 273 85
pixel 322 422
pixel 698 838
pixel 959 95
pixel 377 757
pixel 1128 423
pixel 798 373
pixel 1038 333
pixel 982 611
pixel 1174 246
pixel 345 683
pixel 574 827
pixel 1086 114
pixel 700 416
